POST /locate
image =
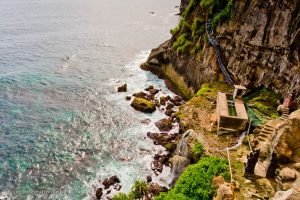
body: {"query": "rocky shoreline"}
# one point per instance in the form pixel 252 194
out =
pixel 275 173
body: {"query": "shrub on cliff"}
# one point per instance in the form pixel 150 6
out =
pixel 192 24
pixel 197 152
pixel 195 183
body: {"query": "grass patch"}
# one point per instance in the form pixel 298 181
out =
pixel 195 183
pixel 197 151
pixel 212 89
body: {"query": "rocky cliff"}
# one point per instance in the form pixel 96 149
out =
pixel 259 42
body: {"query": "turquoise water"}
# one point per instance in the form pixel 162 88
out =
pixel 63 127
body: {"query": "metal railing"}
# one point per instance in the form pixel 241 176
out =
pixel 217 51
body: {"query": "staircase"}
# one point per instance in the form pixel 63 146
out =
pixel 217 51
pixel 285 113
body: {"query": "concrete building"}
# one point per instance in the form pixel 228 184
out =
pixel 231 112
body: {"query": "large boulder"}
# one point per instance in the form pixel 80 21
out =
pixel 178 165
pixel 287 141
pixel 143 105
pixel 164 124
pixel 224 192
pixel 287 174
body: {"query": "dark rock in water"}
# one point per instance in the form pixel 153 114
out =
pixel 141 95
pixel 117 187
pixel 168 97
pixel 151 97
pixel 146 121
pixel 110 181
pixel 150 87
pixel 157 103
pixel 163 100
pixel 173 115
pixel 153 91
pixel 161 138
pixel 169 112
pixel 99 193
pixel 143 105
pixel 154 189
pixel 178 103
pixel 164 124
pixel 149 179
pixel 108 191
pixel 176 99
pixel 128 98
pixel 122 88
pixel 169 106
pixel 157 164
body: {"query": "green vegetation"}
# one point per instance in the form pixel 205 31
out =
pixel 208 89
pixel 197 151
pixel 182 44
pixel 171 147
pixel 190 32
pixel 138 191
pixel 123 196
pixel 261 105
pixel 195 183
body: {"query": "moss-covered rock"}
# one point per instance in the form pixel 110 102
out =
pixel 143 105
pixel 171 146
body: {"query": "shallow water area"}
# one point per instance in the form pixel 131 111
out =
pixel 63 126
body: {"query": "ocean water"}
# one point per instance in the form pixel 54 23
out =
pixel 63 126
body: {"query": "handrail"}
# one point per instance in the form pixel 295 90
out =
pixel 217 51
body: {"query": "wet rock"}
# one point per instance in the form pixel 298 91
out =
pixel 110 181
pixel 151 97
pixel 169 112
pixel 99 193
pixel 149 88
pixel 287 174
pixel 149 179
pixel 122 88
pixel 153 91
pixel 161 138
pixel 169 106
pixel 157 164
pixel 163 100
pixel 154 189
pixel 128 98
pixel 164 124
pixel 174 115
pixel 176 99
pixel 108 192
pixel 117 187
pixel 146 121
pixel 143 105
pixel 156 101
pixel 142 95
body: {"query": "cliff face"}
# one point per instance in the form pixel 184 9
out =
pixel 260 45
